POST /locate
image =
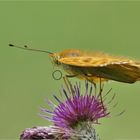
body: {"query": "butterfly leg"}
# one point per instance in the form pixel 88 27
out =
pixel 68 85
pixel 100 92
pixel 71 76
pixel 90 79
pixel 54 75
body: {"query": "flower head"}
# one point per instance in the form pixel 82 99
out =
pixel 48 133
pixel 77 110
pixel 78 107
pixel 37 133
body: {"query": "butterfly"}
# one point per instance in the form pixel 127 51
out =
pixel 94 67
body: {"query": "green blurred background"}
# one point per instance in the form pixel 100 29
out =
pixel 26 77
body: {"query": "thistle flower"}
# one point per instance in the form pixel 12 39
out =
pixel 78 111
pixel 75 115
pixel 37 133
pixel 48 133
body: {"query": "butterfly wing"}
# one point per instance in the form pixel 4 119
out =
pixel 110 68
pixel 127 73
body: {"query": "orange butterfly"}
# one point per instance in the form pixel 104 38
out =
pixel 95 66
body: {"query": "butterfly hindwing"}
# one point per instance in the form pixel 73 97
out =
pixel 122 70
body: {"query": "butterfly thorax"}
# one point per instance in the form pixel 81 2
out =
pixel 70 53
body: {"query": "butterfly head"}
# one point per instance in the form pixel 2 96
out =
pixel 55 58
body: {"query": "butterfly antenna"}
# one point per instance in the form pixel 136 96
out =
pixel 25 47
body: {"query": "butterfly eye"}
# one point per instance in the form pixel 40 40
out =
pixel 56 60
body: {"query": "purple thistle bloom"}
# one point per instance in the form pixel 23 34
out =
pixel 78 111
pixel 48 133
pixel 78 107
pixel 37 133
